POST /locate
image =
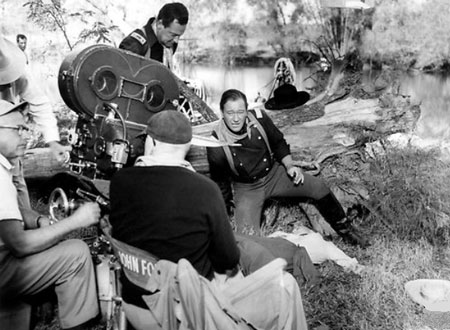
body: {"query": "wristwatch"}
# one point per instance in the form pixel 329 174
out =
pixel 38 219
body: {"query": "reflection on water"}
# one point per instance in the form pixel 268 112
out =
pixel 433 91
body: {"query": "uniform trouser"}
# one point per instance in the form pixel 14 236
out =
pixel 67 267
pixel 249 198
pixel 269 299
pixel 23 197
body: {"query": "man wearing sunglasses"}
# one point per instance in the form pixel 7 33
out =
pixel 33 256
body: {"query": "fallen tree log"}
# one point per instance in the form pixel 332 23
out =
pixel 40 163
pixel 341 118
pixel 341 126
pixel 348 124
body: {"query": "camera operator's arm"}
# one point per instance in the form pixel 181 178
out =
pixel 23 242
pixel 41 110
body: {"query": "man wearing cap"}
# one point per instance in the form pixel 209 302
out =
pixel 16 85
pixel 262 167
pixel 158 39
pixel 33 256
pixel 162 206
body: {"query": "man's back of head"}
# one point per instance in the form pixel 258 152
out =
pixel 169 132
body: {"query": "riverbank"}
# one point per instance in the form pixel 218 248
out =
pixel 407 190
pixel 241 57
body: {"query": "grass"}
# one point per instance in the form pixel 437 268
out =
pixel 408 229
pixel 375 299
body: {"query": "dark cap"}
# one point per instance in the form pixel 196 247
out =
pixel 170 126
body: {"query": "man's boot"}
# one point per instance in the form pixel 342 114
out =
pixel 334 214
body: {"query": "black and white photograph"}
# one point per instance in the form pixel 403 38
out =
pixel 224 165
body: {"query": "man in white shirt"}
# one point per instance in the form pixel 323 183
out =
pixel 33 255
pixel 17 85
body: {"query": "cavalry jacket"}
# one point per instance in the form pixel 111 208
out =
pixel 140 41
pixel 252 160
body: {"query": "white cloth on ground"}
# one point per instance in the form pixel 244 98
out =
pixel 318 249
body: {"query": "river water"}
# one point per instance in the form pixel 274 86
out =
pixel 432 91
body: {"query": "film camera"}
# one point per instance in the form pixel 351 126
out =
pixel 114 93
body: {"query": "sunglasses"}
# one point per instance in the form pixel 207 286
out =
pixel 19 128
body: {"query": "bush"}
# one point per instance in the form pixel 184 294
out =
pixel 409 191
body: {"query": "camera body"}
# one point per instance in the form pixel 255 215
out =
pixel 114 92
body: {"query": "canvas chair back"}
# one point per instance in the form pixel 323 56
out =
pixel 155 275
pixel 202 306
pixel 138 265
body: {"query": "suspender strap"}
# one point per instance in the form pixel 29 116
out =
pixel 261 131
pixel 227 151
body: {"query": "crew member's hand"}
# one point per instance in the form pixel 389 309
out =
pixel 61 153
pixel 43 221
pixel 87 214
pixel 296 174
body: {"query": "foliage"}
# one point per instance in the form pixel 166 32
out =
pixel 409 34
pixel 280 24
pixel 52 15
pixel 409 194
pixel 402 33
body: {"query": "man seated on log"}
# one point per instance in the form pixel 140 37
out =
pixel 33 256
pixel 158 39
pixel 262 167
pixel 16 84
pixel 161 205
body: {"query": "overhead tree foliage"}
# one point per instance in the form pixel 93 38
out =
pixel 406 32
pixel 281 24
pixel 410 34
pixel 52 15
